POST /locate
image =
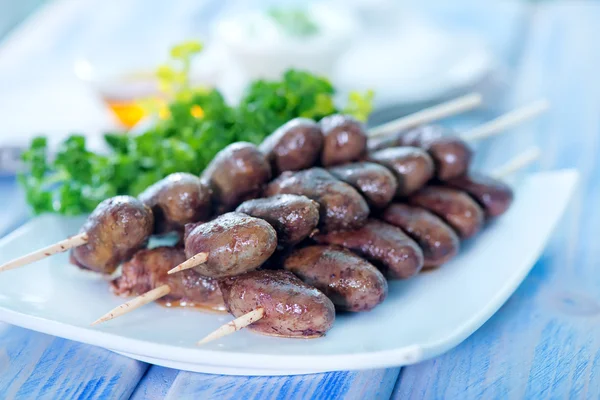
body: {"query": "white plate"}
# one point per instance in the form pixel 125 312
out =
pixel 422 318
pixel 417 62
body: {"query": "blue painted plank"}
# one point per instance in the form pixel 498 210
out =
pixel 38 366
pixel 545 342
pixel 155 384
pixel 374 384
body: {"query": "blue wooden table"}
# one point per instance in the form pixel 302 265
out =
pixel 543 343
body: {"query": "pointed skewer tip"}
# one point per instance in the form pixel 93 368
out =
pixel 133 304
pixel 193 262
pixel 234 326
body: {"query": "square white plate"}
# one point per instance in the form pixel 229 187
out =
pixel 422 317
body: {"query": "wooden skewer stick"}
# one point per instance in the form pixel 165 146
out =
pixel 506 121
pixel 452 107
pixel 234 326
pixel 131 305
pixel 192 262
pixel 520 161
pixel 37 255
pixel 152 295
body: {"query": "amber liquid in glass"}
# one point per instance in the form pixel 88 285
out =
pixel 123 93
pixel 129 113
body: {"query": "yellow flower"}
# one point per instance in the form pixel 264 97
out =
pixel 186 49
pixel 164 112
pixel 197 111
pixel 360 104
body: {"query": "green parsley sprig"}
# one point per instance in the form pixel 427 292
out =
pixel 196 124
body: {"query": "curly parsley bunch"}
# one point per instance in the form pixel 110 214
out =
pixel 192 128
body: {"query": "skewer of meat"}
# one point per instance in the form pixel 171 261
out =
pixel 145 275
pixel 302 143
pixel 359 286
pixel 231 244
pixel 371 291
pixel 449 152
pixel 492 194
pixel 234 243
pixel 121 225
pixel 289 307
pixel 113 232
pixel 379 186
pixel 274 303
pixel 356 286
pixel 465 203
pixel 433 233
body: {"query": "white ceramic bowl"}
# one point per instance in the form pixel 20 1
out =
pixel 263 49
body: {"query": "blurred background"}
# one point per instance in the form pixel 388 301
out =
pixel 79 66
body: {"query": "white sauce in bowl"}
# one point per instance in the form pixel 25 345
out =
pixel 267 45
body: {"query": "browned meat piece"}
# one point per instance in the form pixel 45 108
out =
pixel 412 167
pixel 452 157
pixel 294 146
pixel 494 196
pixel 341 206
pixel 375 182
pixel 292 308
pixel 453 206
pixel 176 200
pixel 345 140
pixel 236 174
pixel 294 217
pixel 450 154
pixel 437 240
pixel 235 243
pixel 116 229
pixel 148 269
pixel 385 245
pixel 350 282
